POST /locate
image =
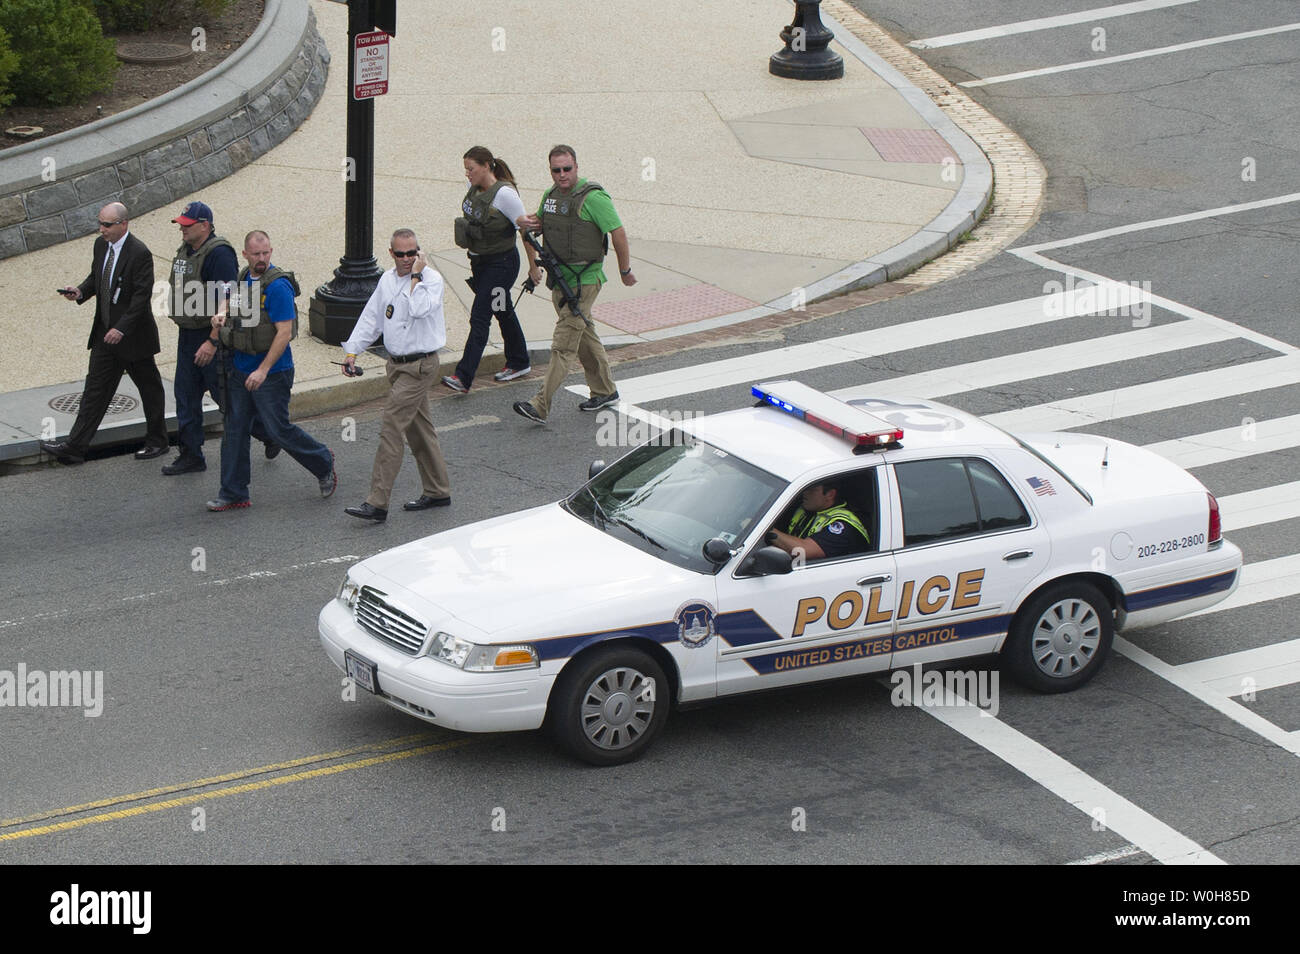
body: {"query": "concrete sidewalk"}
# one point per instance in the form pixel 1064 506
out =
pixel 743 194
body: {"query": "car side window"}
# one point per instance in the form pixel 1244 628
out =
pixel 999 507
pixel 937 500
pixel 955 497
pixel 860 495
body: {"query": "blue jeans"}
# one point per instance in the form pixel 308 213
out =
pixel 270 402
pixel 491 277
pixel 190 384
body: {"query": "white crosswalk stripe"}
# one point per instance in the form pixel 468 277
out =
pixel 1231 443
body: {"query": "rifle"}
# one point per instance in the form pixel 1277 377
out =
pixel 548 260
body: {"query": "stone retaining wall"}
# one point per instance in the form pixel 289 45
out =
pixel 163 151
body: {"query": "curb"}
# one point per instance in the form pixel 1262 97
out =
pixel 161 151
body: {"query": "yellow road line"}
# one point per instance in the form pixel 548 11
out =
pixel 215 779
pixel 232 790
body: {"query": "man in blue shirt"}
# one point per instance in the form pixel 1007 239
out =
pixel 258 329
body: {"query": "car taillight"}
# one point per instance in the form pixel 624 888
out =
pixel 1216 525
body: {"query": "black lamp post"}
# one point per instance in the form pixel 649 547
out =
pixel 805 55
pixel 337 304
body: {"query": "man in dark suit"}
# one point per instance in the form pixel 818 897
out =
pixel 123 338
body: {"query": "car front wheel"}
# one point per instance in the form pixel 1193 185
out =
pixel 1060 638
pixel 607 708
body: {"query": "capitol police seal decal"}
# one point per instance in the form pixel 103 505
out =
pixel 696 624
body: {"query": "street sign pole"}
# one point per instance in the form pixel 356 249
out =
pixel 337 304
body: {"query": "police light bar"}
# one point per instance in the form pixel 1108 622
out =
pixel 830 414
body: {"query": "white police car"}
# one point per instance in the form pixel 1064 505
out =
pixel 653 584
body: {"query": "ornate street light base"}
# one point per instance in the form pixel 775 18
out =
pixel 805 56
pixel 336 305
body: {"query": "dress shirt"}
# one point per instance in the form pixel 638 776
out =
pixel 416 324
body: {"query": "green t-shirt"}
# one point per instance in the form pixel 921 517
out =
pixel 598 207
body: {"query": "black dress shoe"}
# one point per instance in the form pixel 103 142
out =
pixel 425 502
pixel 367 512
pixel 272 450
pixel 62 452
pixel 185 464
pixel 149 453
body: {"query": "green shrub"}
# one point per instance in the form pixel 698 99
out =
pixel 8 63
pixel 63 55
pixel 135 16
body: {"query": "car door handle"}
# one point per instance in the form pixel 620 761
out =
pixel 873 580
pixel 1017 555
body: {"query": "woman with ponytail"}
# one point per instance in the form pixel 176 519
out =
pixel 486 230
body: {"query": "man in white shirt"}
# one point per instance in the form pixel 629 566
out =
pixel 406 308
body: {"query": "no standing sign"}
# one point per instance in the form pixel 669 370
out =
pixel 370 65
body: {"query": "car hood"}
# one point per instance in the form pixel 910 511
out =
pixel 519 576
pixel 1111 470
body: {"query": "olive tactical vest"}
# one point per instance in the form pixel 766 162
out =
pixel 823 518
pixel 256 336
pixel 574 241
pixel 489 231
pixel 187 285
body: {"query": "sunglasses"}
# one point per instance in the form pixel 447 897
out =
pixel 556 170
pixel 109 225
pixel 411 254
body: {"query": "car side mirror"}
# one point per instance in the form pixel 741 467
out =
pixel 718 551
pixel 595 468
pixel 767 561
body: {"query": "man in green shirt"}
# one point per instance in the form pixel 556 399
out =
pixel 578 222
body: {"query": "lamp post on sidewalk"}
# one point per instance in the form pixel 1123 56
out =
pixel 337 304
pixel 805 55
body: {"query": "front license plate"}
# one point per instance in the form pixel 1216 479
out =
pixel 362 671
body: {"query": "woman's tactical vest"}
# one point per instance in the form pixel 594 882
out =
pixel 573 240
pixel 192 304
pixel 256 337
pixel 482 229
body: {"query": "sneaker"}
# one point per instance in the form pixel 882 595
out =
pixel 330 480
pixel 184 464
pixel 524 409
pixel 221 503
pixel 455 383
pixel 597 401
pixel 509 374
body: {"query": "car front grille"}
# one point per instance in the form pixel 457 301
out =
pixel 381 619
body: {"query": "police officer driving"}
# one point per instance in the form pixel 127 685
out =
pixel 822 527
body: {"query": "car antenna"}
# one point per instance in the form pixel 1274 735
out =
pixel 1105 456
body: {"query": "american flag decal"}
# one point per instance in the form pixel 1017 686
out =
pixel 1042 487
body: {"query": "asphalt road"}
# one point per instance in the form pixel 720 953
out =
pixel 216 687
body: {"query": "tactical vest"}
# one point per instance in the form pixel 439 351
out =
pixel 822 518
pixel 487 231
pixel 574 241
pixel 185 279
pixel 255 335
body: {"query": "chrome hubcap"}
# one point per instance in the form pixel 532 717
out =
pixel 617 708
pixel 1066 638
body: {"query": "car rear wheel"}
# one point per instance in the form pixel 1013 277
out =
pixel 1060 638
pixel 608 707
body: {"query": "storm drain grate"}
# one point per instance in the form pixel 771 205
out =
pixel 71 404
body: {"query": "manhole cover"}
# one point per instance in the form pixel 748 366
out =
pixel 153 54
pixel 71 404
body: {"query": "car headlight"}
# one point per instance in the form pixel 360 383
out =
pixel 349 591
pixel 475 658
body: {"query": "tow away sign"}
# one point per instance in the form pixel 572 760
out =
pixel 370 65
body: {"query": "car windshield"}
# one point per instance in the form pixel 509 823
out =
pixel 668 498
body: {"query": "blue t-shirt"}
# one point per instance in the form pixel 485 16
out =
pixel 277 305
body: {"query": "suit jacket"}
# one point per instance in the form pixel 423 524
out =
pixel 130 308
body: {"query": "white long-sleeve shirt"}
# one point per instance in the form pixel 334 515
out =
pixel 416 324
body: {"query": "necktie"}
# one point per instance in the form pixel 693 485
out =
pixel 104 282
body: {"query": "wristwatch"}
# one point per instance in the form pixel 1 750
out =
pixel 622 272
